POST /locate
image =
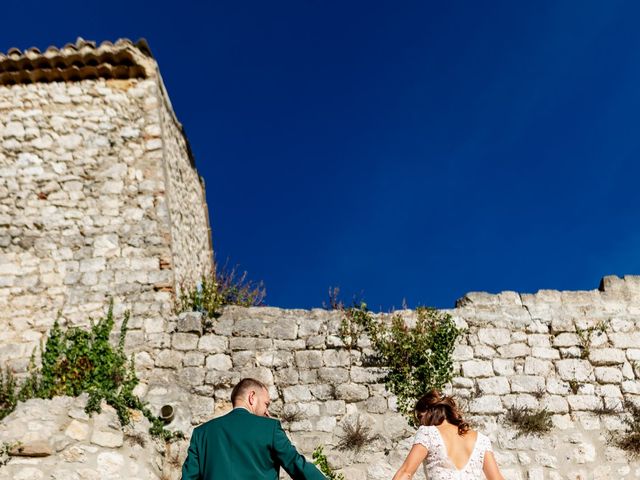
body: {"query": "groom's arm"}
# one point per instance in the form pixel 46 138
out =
pixel 296 465
pixel 191 466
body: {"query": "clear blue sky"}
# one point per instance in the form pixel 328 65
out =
pixel 403 150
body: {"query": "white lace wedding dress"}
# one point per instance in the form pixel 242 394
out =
pixel 438 465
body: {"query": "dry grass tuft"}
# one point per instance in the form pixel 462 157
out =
pixel 529 422
pixel 629 441
pixel 355 435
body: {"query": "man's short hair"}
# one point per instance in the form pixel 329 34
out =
pixel 243 385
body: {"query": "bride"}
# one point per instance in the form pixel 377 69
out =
pixel 446 444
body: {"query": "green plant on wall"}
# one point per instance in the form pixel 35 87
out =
pixel 320 459
pixel 74 361
pixel 225 287
pixel 585 336
pixel 418 358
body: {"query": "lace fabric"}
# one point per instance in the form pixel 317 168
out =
pixel 438 466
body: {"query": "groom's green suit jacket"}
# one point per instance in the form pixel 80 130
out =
pixel 244 446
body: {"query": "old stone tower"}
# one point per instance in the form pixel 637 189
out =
pixel 99 195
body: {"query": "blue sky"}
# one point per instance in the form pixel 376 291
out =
pixel 403 151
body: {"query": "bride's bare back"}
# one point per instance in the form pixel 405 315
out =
pixel 450 456
pixel 458 447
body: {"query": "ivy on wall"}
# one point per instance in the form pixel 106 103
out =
pixel 75 361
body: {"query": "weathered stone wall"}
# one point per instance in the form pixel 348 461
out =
pixel 190 233
pixel 87 174
pixel 58 440
pixel 519 349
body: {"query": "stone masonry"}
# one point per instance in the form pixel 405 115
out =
pixel 99 196
pixel 518 349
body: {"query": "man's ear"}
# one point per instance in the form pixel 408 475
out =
pixel 251 398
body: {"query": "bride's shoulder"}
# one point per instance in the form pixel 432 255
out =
pixel 484 441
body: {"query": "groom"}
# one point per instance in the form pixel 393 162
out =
pixel 245 444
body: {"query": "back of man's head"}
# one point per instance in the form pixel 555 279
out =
pixel 243 387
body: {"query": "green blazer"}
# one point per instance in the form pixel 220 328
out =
pixel 244 446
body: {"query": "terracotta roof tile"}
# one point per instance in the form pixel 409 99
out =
pixel 73 62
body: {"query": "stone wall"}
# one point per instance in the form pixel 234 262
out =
pixel 98 198
pixel 190 233
pixel 519 350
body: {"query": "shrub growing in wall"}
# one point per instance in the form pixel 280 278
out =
pixel 75 361
pixel 417 358
pixel 224 287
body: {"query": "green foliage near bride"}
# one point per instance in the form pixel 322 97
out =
pixel 75 361
pixel 417 358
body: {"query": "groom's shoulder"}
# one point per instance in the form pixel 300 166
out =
pixel 238 417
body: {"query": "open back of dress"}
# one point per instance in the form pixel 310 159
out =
pixel 438 466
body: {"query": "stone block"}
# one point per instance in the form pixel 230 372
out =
pixel 536 366
pixel 376 404
pixel 606 356
pixel 584 402
pixel 336 358
pixel 190 322
pixel 193 359
pixel 483 352
pixel 462 352
pixel 545 353
pixel 575 369
pixel 219 361
pixel 250 327
pixel 504 367
pixel 631 386
pixel 185 341
pixel 494 337
pixel 527 384
pixel 286 376
pixel 352 392
pixel 309 359
pixel 213 343
pixel 494 386
pixel 169 359
pixel 323 391
pixel 514 350
pixel 297 393
pixel 477 368
pixel 555 404
pixel 309 376
pixel 334 407
pixel 192 376
pixel 566 339
pixel 625 340
pixel 487 404
pixel 284 329
pixel 248 343
pixel 370 375
pixel 333 375
pixel 608 374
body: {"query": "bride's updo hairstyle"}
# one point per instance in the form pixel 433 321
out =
pixel 434 408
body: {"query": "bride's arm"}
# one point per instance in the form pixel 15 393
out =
pixel 490 467
pixel 416 456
